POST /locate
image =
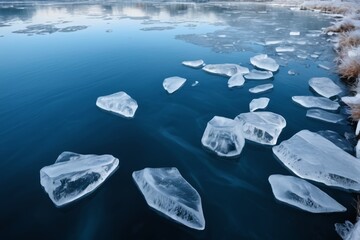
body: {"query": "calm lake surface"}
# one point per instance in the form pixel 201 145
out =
pixel 57 58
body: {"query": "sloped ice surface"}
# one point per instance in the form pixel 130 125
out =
pixel 258 75
pixel 261 127
pixel 223 136
pixel 236 80
pixel 226 69
pixel 302 194
pixel 316 102
pixel 337 139
pixel 264 62
pixel 313 157
pixel 258 103
pixel 73 175
pixel 325 116
pixel 261 88
pixel 168 192
pixel 324 86
pixel 348 231
pixel 172 84
pixel 120 103
pixel 193 64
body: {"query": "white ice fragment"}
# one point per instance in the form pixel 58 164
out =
pixel 316 102
pixel 324 86
pixel 337 139
pixel 226 69
pixel 302 56
pixel 264 62
pixel 313 157
pixel 314 56
pixel 273 42
pixel 258 75
pixel 73 176
pixel 294 33
pixel 166 191
pixel 292 72
pixel 284 49
pixel 325 116
pixel 348 231
pixel 323 67
pixel 223 136
pixel 236 80
pixel 193 64
pixel 172 84
pixel 195 83
pixel 357 131
pixel 261 88
pixel 261 127
pixel 119 103
pixel 351 100
pixel 357 149
pixel 302 194
pixel 258 103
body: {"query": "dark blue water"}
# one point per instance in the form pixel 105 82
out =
pixel 49 82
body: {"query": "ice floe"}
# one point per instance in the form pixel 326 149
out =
pixel 258 103
pixel 166 191
pixel 351 100
pixel 73 175
pixel 324 86
pixel 294 33
pixel 258 75
pixel 302 194
pixel 337 139
pixel 236 80
pixel 311 156
pixel 325 116
pixel 261 127
pixel 120 103
pixel 172 84
pixel 316 102
pixel 264 62
pixel 284 49
pixel 261 88
pixel 226 69
pixel 223 136
pixel 348 231
pixel 193 64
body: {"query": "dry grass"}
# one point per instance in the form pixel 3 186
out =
pixel 342 27
pixel 355 114
pixel 349 39
pixel 349 67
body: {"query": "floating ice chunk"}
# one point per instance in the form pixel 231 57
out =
pixel 323 67
pixel 172 84
pixel 194 64
pixel 337 139
pixel 195 83
pixel 284 49
pixel 236 80
pixel 223 136
pixel 261 127
pixel 73 176
pixel 120 103
pixel 264 62
pixel 357 131
pixel 353 100
pixel 313 157
pixel 166 191
pixel 324 86
pixel 261 88
pixel 292 72
pixel 294 33
pixel 316 102
pixel 314 56
pixel 273 42
pixel 258 75
pixel 302 56
pixel 348 231
pixel 357 149
pixel 325 116
pixel 226 69
pixel 258 103
pixel 302 194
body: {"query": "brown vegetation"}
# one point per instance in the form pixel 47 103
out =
pixel 349 68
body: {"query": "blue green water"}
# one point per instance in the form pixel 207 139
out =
pixel 49 83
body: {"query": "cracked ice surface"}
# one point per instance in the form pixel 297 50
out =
pixel 313 157
pixel 168 192
pixel 73 175
pixel 302 194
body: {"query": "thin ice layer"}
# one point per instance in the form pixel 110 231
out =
pixel 194 64
pixel 258 103
pixel 261 127
pixel 120 103
pixel 263 61
pixel 324 86
pixel 172 84
pixel 261 88
pixel 226 69
pixel 236 80
pixel 302 194
pixel 223 136
pixel 313 157
pixel 325 116
pixel 168 192
pixel 258 75
pixel 316 102
pixel 73 176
